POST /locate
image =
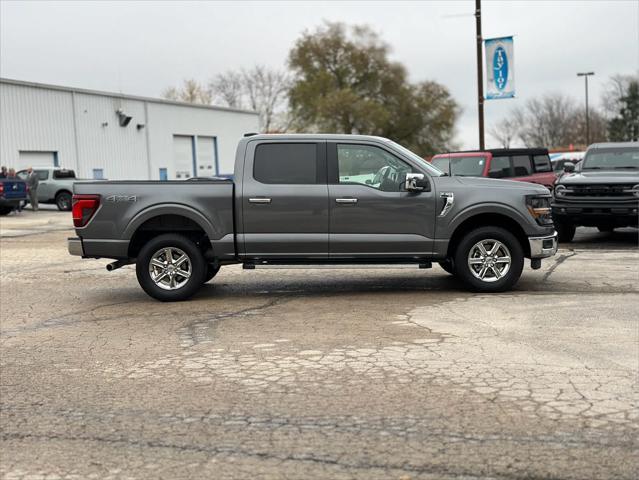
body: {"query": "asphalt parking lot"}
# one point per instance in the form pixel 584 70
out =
pixel 389 374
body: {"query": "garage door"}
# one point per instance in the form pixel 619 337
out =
pixel 183 156
pixel 37 159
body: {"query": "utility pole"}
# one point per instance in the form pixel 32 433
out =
pixel 480 75
pixel 586 75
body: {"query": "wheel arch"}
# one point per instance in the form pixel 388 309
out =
pixel 168 219
pixel 484 219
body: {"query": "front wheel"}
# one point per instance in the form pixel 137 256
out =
pixel 565 231
pixel 489 259
pixel 447 266
pixel 63 201
pixel 170 268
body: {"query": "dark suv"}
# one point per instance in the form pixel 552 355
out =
pixel 604 193
pixel 522 164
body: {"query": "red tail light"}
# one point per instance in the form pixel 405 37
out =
pixel 1 188
pixel 84 207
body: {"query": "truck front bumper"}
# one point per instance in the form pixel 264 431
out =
pixel 543 247
pixel 75 246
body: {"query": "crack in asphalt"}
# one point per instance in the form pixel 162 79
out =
pixel 557 261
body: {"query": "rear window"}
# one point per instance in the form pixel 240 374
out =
pixel 286 163
pixel 63 174
pixel 542 163
pixel 521 166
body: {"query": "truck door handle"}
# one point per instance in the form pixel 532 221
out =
pixel 259 200
pixel 350 201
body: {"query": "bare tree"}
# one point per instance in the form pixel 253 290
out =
pixel 616 88
pixel 261 89
pixel 505 131
pixel 228 89
pixel 191 91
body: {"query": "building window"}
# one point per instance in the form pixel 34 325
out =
pixel 98 174
pixel 164 176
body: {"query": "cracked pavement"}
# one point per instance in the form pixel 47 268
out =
pixel 361 374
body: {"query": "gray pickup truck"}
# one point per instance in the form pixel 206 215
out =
pixel 304 200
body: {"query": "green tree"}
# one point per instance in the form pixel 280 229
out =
pixel 344 82
pixel 624 126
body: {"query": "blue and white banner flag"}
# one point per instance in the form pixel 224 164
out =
pixel 500 68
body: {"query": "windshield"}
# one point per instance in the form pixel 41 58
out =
pixel 431 168
pixel 612 159
pixel 467 166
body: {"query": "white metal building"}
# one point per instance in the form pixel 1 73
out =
pixel 115 136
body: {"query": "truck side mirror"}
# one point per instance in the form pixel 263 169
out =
pixel 569 167
pixel 415 182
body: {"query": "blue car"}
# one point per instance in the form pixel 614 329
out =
pixel 12 192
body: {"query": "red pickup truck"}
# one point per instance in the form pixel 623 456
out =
pixel 522 164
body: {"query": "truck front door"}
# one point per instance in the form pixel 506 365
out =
pixel 371 214
pixel 284 200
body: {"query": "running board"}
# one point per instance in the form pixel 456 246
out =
pixel 337 266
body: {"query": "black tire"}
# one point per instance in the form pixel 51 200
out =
pixel 211 272
pixel 5 210
pixel 195 260
pixel 565 231
pixel 447 266
pixel 605 229
pixel 491 283
pixel 63 201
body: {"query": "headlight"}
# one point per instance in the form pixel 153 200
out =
pixel 560 191
pixel 539 208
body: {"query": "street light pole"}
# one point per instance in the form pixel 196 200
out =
pixel 586 75
pixel 480 75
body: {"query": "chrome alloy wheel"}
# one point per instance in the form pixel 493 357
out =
pixel 170 268
pixel 489 260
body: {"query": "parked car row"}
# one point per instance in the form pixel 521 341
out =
pixel 598 188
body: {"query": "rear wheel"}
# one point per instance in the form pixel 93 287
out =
pixel 5 210
pixel 63 201
pixel 170 267
pixel 565 231
pixel 489 259
pixel 211 271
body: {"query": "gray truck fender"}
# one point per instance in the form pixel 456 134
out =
pixel 491 208
pixel 169 209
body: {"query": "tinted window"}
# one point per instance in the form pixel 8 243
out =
pixel 467 166
pixel 442 164
pixel 521 165
pixel 542 163
pixel 286 163
pixel 499 167
pixel 64 174
pixel 371 166
pixel 42 174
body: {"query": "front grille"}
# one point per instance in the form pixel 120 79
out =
pixel 600 191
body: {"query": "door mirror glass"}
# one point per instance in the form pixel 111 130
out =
pixel 569 167
pixel 415 182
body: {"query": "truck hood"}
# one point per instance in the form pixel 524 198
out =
pixel 482 182
pixel 593 177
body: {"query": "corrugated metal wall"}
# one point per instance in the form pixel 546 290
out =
pixel 34 119
pixel 83 128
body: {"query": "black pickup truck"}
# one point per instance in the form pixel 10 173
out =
pixel 604 193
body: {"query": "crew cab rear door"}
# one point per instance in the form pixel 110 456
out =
pixel 371 214
pixel 284 200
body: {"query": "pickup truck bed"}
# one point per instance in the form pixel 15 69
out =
pixel 315 199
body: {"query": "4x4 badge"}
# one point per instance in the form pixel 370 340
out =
pixel 121 198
